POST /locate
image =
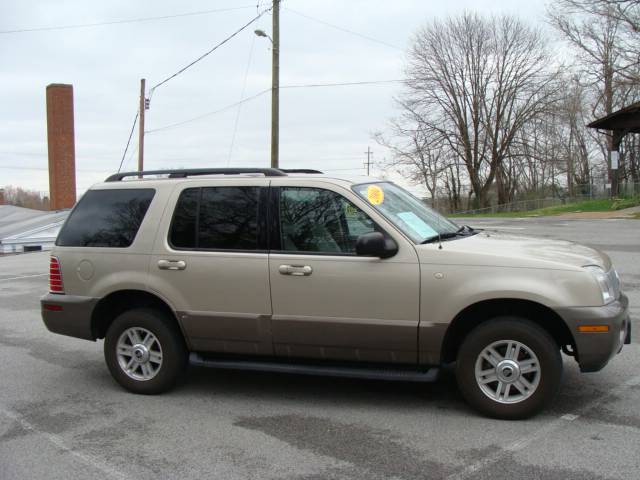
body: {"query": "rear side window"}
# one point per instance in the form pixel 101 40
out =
pixel 216 218
pixel 106 218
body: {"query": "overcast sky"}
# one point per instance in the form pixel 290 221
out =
pixel 325 128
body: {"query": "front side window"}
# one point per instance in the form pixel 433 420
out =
pixel 106 218
pixel 321 221
pixel 216 218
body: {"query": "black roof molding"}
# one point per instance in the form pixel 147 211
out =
pixel 190 172
pixel 299 170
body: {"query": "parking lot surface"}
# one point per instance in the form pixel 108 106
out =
pixel 63 417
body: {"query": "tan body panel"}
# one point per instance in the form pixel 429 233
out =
pixel 350 308
pixel 221 298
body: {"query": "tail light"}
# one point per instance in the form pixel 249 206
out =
pixel 55 276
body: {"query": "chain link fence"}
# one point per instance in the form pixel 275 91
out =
pixel 589 192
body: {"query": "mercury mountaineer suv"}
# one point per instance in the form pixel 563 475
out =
pixel 295 271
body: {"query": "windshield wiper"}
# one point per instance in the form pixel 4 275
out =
pixel 442 236
pixel 463 231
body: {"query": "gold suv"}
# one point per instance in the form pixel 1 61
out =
pixel 295 271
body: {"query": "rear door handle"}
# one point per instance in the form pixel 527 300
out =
pixel 296 270
pixel 172 264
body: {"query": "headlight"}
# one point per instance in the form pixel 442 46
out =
pixel 609 282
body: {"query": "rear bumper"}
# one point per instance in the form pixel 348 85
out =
pixel 68 315
pixel 594 350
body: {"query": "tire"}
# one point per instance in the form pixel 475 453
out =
pixel 145 351
pixel 533 378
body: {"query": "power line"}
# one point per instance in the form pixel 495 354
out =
pixel 119 22
pixel 132 154
pixel 133 127
pixel 343 84
pixel 244 87
pixel 177 124
pixel 244 100
pixel 343 29
pixel 209 52
pixel 85 170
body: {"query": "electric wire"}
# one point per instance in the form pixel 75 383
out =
pixel 343 29
pixel 244 87
pixel 132 154
pixel 209 52
pixel 124 154
pixel 124 21
pixel 204 115
pixel 244 100
pixel 343 84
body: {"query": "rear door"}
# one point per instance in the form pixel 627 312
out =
pixel 210 262
pixel 329 303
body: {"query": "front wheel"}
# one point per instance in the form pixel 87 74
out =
pixel 509 368
pixel 144 351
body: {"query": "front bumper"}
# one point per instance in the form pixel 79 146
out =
pixel 68 314
pixel 594 350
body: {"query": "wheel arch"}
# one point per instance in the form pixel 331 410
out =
pixel 480 312
pixel 118 302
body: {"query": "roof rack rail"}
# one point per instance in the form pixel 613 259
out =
pixel 188 172
pixel 299 170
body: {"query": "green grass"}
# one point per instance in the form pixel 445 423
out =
pixel 599 205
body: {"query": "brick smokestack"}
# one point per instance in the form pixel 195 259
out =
pixel 62 150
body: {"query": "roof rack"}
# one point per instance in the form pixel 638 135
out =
pixel 299 170
pixel 189 172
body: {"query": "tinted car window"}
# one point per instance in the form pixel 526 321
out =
pixel 183 228
pixel 106 218
pixel 216 218
pixel 317 220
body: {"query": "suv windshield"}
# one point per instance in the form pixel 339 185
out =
pixel 406 212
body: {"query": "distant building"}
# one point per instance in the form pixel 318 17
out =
pixel 26 230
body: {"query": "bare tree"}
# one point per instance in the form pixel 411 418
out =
pixel 25 198
pixel 473 83
pixel 604 33
pixel 417 154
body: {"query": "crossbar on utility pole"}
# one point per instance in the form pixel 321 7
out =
pixel 141 124
pixel 275 86
pixel 368 162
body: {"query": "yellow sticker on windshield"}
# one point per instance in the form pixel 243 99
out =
pixel 375 195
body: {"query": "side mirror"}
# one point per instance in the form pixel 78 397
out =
pixel 375 244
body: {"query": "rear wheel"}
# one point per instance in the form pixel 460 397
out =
pixel 144 351
pixel 509 368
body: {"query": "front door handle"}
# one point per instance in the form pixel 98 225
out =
pixel 296 270
pixel 172 264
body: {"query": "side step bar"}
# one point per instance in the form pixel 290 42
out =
pixel 393 374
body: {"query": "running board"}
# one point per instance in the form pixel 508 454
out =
pixel 392 374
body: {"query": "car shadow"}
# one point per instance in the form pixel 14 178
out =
pixel 442 394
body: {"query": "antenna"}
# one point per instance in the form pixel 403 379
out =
pixel 438 226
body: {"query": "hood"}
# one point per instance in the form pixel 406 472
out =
pixel 504 249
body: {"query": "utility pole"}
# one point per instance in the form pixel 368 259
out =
pixel 275 86
pixel 141 124
pixel 368 162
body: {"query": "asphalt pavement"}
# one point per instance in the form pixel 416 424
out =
pixel 63 417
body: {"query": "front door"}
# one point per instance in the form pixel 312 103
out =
pixel 329 303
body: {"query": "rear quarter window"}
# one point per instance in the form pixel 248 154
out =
pixel 106 218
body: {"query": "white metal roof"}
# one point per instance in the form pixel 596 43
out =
pixel 24 225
